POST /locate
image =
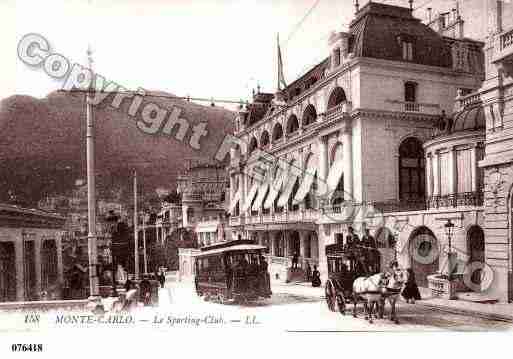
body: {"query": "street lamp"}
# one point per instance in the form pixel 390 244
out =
pixel 451 257
pixel 449 230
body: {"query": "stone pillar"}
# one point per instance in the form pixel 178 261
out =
pixel 232 187
pixel 286 244
pixel 473 163
pixel 272 250
pixel 37 263
pixel 185 220
pixel 242 186
pixel 60 266
pixel 303 236
pixel 20 269
pixel 347 150
pixel 429 173
pixel 453 173
pixel 157 233
pixel 436 174
pixel 323 164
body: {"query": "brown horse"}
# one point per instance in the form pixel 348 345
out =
pixel 371 290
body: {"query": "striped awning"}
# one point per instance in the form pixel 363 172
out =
pixel 334 177
pixel 251 196
pixel 287 190
pixel 305 185
pixel 262 191
pixel 274 190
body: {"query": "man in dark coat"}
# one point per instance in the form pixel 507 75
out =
pixel 161 278
pixel 352 238
pixel 371 251
pixel 145 290
pixel 295 260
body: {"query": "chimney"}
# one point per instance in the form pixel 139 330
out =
pixel 411 4
pixel 357 6
pixel 430 14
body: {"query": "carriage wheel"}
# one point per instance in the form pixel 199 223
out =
pixel 341 304
pixel 330 296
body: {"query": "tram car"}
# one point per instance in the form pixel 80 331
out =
pixel 232 271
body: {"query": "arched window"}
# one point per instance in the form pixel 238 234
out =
pixel 264 139
pixel 411 169
pixel 277 132
pixel 336 98
pixel 253 144
pixel 310 115
pixel 190 214
pixel 292 124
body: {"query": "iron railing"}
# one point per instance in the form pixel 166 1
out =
pixel 456 200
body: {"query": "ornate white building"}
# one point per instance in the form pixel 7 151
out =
pixel 201 206
pixel 357 144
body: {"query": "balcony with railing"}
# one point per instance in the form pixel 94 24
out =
pixel 192 196
pixel 473 199
pixel 304 216
pixel 348 209
pixel 504 47
pixel 335 112
pixel 236 221
pixel 414 107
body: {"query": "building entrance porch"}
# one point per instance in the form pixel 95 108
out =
pixel 282 245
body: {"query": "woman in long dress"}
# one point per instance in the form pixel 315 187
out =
pixel 316 277
pixel 411 291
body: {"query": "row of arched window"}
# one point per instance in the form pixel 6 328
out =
pixel 337 97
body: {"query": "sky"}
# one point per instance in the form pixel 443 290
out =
pixel 201 48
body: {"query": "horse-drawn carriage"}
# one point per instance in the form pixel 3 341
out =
pixel 354 276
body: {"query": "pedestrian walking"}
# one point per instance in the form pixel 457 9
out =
pixel 316 277
pixel 162 279
pixel 145 290
pixel 295 260
pixel 308 272
pixel 411 290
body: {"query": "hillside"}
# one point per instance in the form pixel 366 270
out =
pixel 43 145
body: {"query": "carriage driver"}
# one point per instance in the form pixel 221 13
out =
pixel 371 252
pixel 352 238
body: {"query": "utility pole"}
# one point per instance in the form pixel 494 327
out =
pixel 136 229
pixel 144 245
pixel 91 190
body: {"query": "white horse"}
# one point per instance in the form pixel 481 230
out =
pixel 371 289
pixel 392 291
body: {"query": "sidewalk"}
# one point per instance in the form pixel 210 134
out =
pixel 497 311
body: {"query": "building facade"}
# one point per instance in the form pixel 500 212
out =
pixel 372 137
pixel 31 264
pixel 200 205
pixel 496 98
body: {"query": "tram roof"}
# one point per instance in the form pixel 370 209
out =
pixel 233 248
